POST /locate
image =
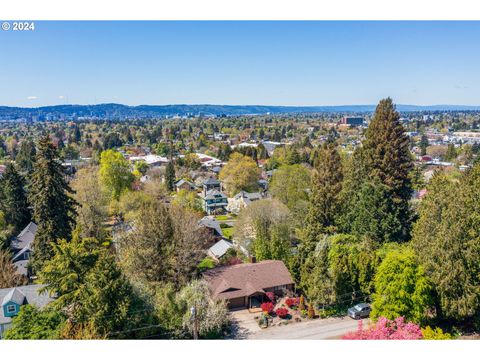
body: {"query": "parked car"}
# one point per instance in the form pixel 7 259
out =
pixel 359 311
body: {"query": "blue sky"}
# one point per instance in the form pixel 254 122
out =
pixel 270 63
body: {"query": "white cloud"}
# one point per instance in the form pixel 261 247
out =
pixel 61 97
pixel 32 97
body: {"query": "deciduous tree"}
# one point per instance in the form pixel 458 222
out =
pixel 115 173
pixel 240 173
pixel 401 288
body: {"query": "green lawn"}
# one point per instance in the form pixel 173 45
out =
pixel 222 217
pixel 228 232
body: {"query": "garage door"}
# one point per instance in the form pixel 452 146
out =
pixel 236 303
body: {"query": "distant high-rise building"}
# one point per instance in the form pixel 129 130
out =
pixel 352 120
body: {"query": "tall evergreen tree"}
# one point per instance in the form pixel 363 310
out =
pixel 26 156
pixel 327 182
pixel 13 199
pixel 384 160
pixel 53 207
pixel 170 176
pixel 423 144
pixel 387 152
pixel 446 239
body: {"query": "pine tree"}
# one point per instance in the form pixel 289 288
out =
pixel 170 176
pixel 13 199
pixel 53 207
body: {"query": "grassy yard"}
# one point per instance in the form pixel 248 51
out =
pixel 222 217
pixel 228 232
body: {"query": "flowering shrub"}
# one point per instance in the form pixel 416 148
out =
pixel 282 313
pixel 292 302
pixel 271 296
pixel 386 329
pixel 267 307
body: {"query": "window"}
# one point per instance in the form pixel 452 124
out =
pixel 11 308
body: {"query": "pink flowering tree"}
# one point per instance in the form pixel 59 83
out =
pixel 386 329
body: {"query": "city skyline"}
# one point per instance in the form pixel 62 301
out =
pixel 241 63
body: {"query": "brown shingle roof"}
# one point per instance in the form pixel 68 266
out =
pixel 234 281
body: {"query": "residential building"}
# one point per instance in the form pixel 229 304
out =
pixel 21 247
pixel 151 160
pixel 211 184
pixel 13 298
pixel 219 249
pixel 242 200
pixel 184 185
pixel 246 285
pixel 212 225
pixel 209 161
pixel 214 201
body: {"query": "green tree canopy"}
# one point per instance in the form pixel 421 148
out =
pixel 384 163
pixel 26 156
pixel 290 184
pixel 13 198
pixel 447 241
pixel 170 176
pixel 339 270
pixel 32 323
pixel 88 285
pixel 325 201
pixel 115 173
pixel 401 288
pixel 51 201
pixel 240 173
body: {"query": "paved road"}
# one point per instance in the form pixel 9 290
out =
pixel 331 328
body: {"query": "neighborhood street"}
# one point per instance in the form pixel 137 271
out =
pixel 320 329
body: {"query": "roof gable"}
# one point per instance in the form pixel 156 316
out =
pixel 25 238
pixel 15 296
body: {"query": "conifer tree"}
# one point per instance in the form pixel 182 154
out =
pixel 52 204
pixel 446 239
pixel 423 144
pixel 26 156
pixel 13 199
pixel 387 152
pixel 170 176
pixel 384 161
pixel 327 180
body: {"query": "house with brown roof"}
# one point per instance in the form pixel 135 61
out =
pixel 246 285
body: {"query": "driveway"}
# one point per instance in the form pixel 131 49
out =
pixel 245 327
pixel 243 324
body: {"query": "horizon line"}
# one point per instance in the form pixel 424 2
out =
pixel 232 105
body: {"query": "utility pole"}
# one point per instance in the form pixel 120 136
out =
pixel 193 312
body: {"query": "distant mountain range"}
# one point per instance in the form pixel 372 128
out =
pixel 142 111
